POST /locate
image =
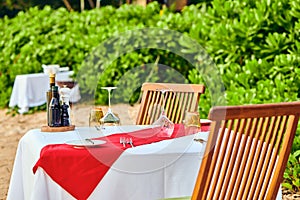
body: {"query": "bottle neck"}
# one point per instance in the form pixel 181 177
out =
pixel 52 80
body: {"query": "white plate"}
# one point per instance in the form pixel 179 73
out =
pixel 86 143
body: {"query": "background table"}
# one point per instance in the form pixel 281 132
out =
pixel 29 90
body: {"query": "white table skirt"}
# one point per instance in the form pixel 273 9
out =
pixel 164 169
pixel 29 90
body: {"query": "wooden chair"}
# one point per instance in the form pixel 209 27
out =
pixel 247 151
pixel 180 98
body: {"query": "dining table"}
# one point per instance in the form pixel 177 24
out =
pixel 163 167
pixel 29 90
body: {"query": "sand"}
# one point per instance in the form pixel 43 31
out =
pixel 12 128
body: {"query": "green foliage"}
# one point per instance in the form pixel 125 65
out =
pixel 254 45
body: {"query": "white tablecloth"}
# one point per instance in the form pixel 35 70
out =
pixel 29 90
pixel 160 170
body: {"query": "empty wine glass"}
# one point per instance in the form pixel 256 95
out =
pixel 109 119
pixel 167 126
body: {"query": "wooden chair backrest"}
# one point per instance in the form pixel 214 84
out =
pixel 180 98
pixel 247 151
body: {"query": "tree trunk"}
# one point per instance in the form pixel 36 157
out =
pixel 68 5
pixel 97 3
pixel 91 3
pixel 82 5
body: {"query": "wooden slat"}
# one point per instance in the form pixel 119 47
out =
pixel 218 160
pixel 242 158
pixel 147 115
pixel 168 108
pixel 142 113
pixel 255 166
pixel 267 153
pixel 174 87
pixel 190 102
pixel 172 106
pixel 180 102
pixel 239 190
pixel 183 107
pixel 157 107
pixel 264 140
pixel 234 166
pixel 291 128
pixel 230 155
pixel 194 104
pixel 236 112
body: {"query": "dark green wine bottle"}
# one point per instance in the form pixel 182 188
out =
pixel 49 95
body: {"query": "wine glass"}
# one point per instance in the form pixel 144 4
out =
pixel 109 119
pixel 167 126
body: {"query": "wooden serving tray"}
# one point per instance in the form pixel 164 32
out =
pixel 57 129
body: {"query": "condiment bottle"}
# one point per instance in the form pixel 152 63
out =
pixel 65 108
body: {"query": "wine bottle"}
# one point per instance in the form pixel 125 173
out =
pixel 54 108
pixel 49 94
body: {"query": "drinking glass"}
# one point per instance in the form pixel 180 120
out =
pixel 94 119
pixel 191 122
pixel 167 126
pixel 109 119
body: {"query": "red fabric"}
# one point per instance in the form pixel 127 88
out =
pixel 79 170
pixel 205 127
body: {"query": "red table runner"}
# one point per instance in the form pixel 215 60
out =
pixel 79 170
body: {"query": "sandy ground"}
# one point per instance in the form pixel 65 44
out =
pixel 12 128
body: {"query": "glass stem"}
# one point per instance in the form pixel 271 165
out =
pixel 108 98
